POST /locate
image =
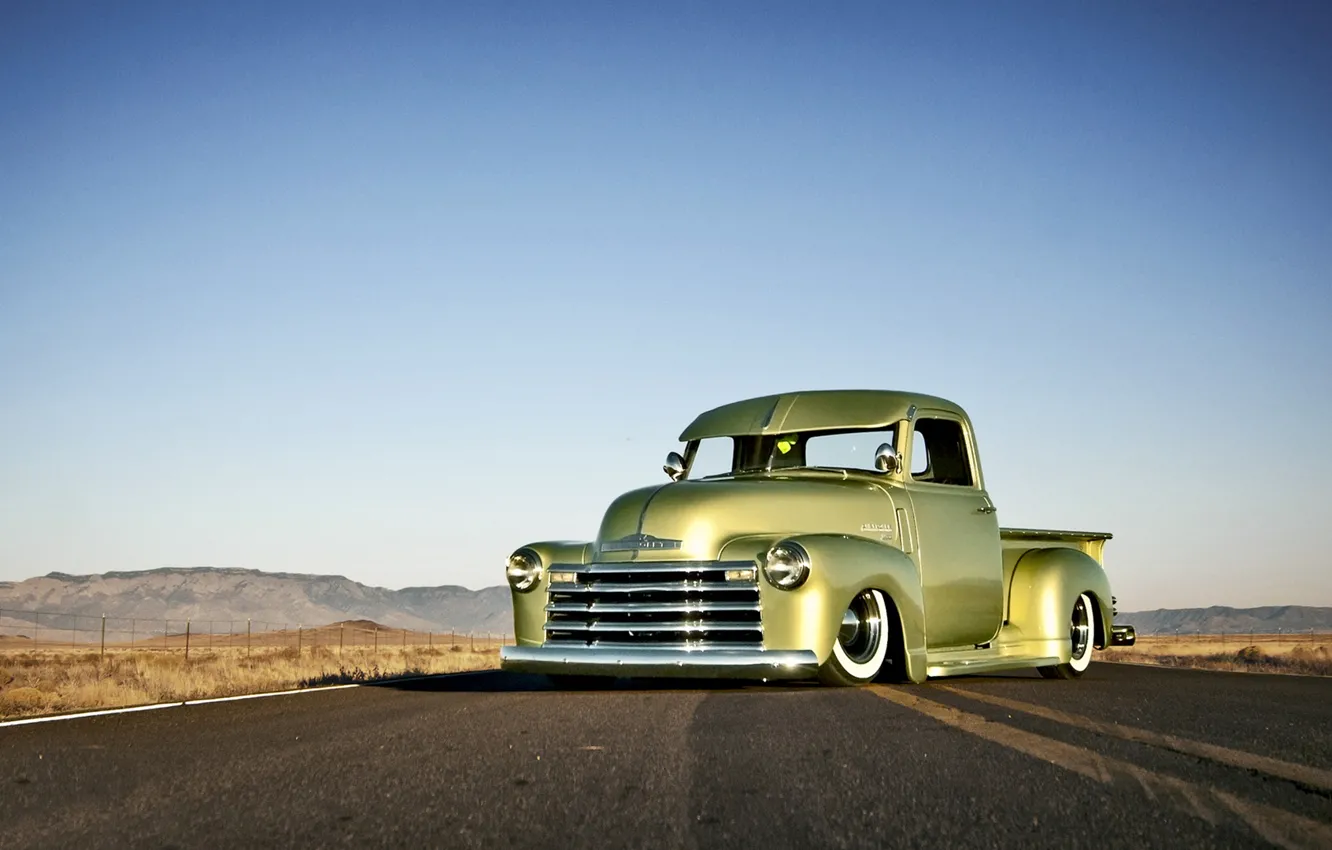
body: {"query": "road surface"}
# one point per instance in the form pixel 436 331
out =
pixel 1126 757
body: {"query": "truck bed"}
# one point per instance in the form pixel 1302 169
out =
pixel 1015 540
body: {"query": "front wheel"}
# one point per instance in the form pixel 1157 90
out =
pixel 861 647
pixel 1081 629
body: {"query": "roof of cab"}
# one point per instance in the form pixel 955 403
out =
pixel 814 410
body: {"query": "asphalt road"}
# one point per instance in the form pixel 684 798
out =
pixel 1125 757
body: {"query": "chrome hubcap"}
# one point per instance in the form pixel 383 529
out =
pixel 859 635
pixel 1081 628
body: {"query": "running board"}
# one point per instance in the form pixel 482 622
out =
pixel 960 667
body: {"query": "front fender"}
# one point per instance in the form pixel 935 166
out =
pixel 529 607
pixel 840 567
pixel 1045 584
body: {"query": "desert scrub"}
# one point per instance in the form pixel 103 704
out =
pixel 51 681
pixel 1305 660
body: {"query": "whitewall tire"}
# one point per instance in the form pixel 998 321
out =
pixel 1082 634
pixel 861 645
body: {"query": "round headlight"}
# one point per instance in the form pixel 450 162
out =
pixel 523 570
pixel 786 565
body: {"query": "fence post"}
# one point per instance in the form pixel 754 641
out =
pixel 74 634
pixel 36 628
pixel 133 623
pixel 376 641
pixel 430 640
pixel 404 638
pixel 187 641
pixel 298 640
pixel 472 640
pixel 104 635
pixel 342 627
pixel 247 637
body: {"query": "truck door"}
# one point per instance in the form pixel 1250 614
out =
pixel 957 534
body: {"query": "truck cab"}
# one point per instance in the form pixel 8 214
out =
pixel 845 535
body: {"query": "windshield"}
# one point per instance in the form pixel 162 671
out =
pixel 852 450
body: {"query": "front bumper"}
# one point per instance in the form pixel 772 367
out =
pixel 1122 635
pixel 680 663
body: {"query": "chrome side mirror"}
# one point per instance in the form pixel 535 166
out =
pixel 674 467
pixel 886 460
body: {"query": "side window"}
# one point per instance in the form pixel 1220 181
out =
pixel 920 458
pixel 851 450
pixel 713 457
pixel 939 453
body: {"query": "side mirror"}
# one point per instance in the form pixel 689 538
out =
pixel 674 467
pixel 886 460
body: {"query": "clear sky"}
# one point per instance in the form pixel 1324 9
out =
pixel 388 290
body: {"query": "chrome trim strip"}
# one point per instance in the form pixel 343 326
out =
pixel 654 567
pixel 940 669
pixel 687 607
pixel 711 663
pixel 653 587
pixel 692 645
pixel 695 626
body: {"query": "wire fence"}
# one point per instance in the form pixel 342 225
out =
pixel 1283 635
pixel 22 630
pixel 1195 641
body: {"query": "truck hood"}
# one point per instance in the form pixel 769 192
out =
pixel 694 520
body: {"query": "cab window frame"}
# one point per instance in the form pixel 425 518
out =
pixel 968 452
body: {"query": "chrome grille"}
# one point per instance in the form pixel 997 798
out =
pixel 675 604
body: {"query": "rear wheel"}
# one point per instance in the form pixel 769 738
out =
pixel 861 647
pixel 1082 628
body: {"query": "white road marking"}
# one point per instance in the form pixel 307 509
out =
pixel 1282 828
pixel 1301 774
pixel 25 721
pixel 182 703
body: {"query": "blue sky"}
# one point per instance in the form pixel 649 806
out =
pixel 390 290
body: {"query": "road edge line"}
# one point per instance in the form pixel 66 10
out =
pixel 50 718
pixel 103 712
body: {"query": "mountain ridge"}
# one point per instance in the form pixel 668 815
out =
pixel 239 593
pixel 1223 619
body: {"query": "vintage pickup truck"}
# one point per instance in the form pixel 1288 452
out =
pixel 850 539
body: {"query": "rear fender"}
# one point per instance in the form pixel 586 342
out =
pixel 1045 585
pixel 840 567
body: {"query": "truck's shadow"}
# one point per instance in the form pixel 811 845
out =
pixel 495 681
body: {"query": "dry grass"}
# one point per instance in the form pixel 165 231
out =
pixel 1309 655
pixel 46 681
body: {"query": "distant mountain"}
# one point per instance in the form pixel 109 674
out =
pixel 1219 619
pixel 215 593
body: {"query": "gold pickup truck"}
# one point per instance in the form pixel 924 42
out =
pixel 849 538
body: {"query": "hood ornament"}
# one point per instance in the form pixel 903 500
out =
pixel 638 542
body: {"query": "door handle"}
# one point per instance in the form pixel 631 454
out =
pixel 986 509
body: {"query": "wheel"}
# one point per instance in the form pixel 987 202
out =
pixel 568 682
pixel 1081 629
pixel 861 647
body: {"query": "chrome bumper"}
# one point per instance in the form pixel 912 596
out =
pixel 1122 636
pixel 681 663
